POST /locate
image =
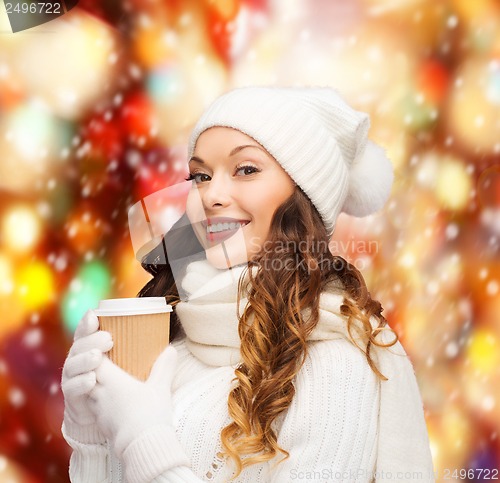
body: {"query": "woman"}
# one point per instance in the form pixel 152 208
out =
pixel 286 369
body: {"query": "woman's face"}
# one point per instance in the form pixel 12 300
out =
pixel 237 187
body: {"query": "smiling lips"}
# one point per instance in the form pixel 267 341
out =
pixel 219 229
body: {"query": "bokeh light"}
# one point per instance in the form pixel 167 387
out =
pixel 35 283
pixel 30 139
pixel 473 107
pixel 91 284
pixel 453 185
pixel 6 279
pixel 483 353
pixel 21 228
pixel 75 65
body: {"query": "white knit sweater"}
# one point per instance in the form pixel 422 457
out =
pixel 343 424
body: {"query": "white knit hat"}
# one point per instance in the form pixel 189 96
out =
pixel 318 139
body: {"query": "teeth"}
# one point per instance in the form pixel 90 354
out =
pixel 217 227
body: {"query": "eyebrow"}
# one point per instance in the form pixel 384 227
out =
pixel 235 150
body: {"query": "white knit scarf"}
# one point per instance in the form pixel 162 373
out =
pixel 210 321
pixel 210 318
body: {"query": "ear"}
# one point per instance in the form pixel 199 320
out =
pixel 370 180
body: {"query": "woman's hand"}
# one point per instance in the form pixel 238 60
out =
pixel 79 378
pixel 128 410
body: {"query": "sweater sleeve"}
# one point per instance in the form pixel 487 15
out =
pixel 404 447
pixel 179 474
pixel 88 461
pixel 330 428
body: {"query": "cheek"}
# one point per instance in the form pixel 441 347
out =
pixel 194 207
pixel 195 214
pixel 263 201
pixel 262 214
pixel 274 198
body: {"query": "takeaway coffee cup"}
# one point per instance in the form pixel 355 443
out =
pixel 140 329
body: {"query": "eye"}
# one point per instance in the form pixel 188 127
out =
pixel 247 170
pixel 198 177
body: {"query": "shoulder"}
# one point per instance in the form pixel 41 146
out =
pixel 334 373
pixel 335 354
pixel 335 389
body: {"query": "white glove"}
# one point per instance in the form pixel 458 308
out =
pixel 136 417
pixel 78 379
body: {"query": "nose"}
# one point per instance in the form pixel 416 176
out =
pixel 216 192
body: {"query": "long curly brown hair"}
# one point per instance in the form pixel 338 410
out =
pixel 295 266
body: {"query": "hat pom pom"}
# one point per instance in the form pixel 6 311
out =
pixel 370 180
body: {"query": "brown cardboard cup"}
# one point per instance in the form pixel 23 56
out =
pixel 140 329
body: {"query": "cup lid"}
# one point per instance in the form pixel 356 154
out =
pixel 132 306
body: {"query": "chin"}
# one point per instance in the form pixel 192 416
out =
pixel 228 253
pixel 225 259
